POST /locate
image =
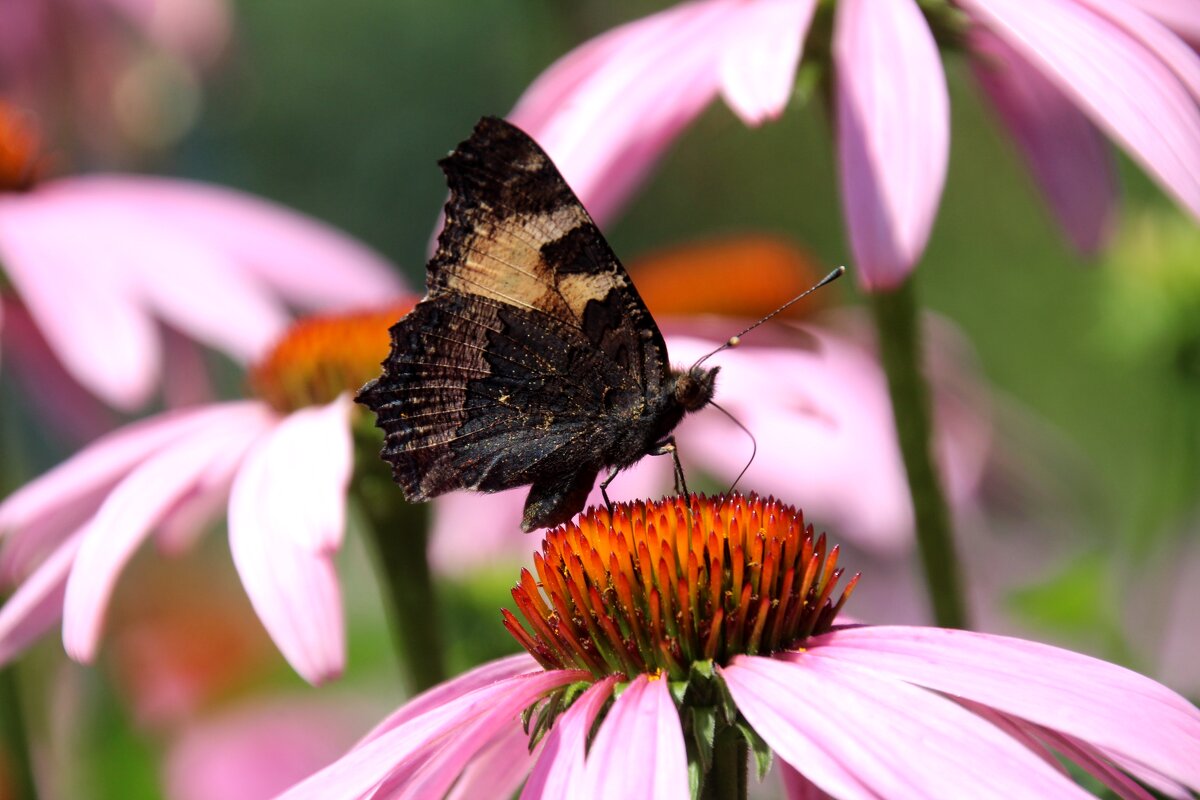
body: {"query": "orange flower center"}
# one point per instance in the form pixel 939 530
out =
pixel 322 356
pixel 656 586
pixel 21 159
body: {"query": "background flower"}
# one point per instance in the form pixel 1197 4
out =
pixel 1132 77
pixel 87 257
pixel 282 464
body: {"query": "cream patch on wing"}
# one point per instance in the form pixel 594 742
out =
pixel 502 260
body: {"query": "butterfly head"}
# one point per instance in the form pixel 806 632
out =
pixel 694 388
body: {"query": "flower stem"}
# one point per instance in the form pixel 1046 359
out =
pixel 728 778
pixel 896 320
pixel 400 532
pixel 12 736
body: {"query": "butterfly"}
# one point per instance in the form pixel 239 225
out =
pixel 532 359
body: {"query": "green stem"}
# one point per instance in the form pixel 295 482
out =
pixel 728 778
pixel 896 319
pixel 12 733
pixel 399 531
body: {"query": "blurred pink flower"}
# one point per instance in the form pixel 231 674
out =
pixel 606 111
pixel 256 749
pixel 113 74
pixel 858 712
pixel 281 465
pixel 816 399
pixel 69 534
pixel 100 261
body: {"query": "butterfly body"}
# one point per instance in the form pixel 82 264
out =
pixel 532 360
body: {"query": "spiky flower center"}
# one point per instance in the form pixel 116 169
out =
pixel 322 356
pixel 656 586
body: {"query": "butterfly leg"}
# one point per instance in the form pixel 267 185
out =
pixel 667 446
pixel 604 488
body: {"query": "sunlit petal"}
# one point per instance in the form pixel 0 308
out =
pixel 893 129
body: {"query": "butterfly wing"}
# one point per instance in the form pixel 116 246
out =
pixel 530 338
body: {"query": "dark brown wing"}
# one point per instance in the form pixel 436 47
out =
pixel 515 232
pixel 481 395
pixel 530 342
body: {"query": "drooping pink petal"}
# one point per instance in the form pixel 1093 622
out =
pixel 1178 15
pixel 208 292
pixel 443 693
pixel 38 603
pixel 560 765
pixel 402 747
pixel 758 66
pixel 286 517
pixel 607 111
pixel 858 734
pixel 1125 88
pixel 1066 153
pixel 499 770
pixel 471 748
pixel 1157 38
pixel 134 507
pixel 893 130
pixel 66 271
pixel 1117 710
pixel 39 515
pixel 301 258
pixel 639 751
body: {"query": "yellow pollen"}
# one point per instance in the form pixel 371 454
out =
pixel 322 356
pixel 655 586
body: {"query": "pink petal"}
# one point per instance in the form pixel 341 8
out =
pixel 1068 156
pixel 1178 15
pixel 1096 765
pixel 816 399
pixel 398 749
pixel 498 771
pixel 1158 39
pixel 608 110
pixel 893 128
pixel 639 750
pixel 443 693
pixel 470 749
pixel 68 411
pixel 286 516
pixel 1105 705
pixel 1127 90
pixel 798 787
pixel 206 288
pixel 560 765
pixel 134 507
pixel 66 270
pixel 758 67
pixel 301 258
pixel 858 734
pixel 39 515
pixel 38 603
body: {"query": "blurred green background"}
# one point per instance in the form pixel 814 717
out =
pixel 342 110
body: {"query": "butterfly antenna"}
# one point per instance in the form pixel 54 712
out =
pixel 753 445
pixel 736 339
